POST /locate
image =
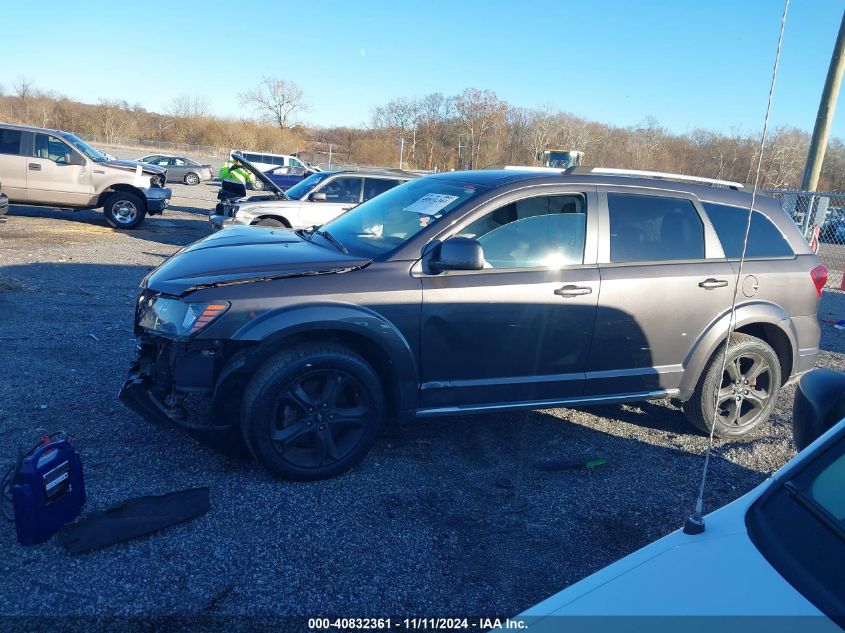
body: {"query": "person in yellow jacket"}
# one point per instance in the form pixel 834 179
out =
pixel 231 170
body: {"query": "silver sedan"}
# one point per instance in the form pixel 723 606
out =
pixel 180 168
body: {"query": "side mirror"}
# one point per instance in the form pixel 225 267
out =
pixel 318 197
pixel 458 253
pixel 819 404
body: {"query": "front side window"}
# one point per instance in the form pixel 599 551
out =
pixel 51 148
pixel 295 163
pixel 342 190
pixel 652 228
pixel 10 142
pixel 764 239
pixel 543 231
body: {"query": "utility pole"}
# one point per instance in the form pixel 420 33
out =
pixel 330 155
pixel 827 107
pixel 460 158
pixel 401 150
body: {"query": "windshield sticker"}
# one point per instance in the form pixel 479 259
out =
pixel 431 203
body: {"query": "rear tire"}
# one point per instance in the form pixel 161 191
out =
pixel 192 179
pixel 748 388
pixel 124 210
pixel 312 412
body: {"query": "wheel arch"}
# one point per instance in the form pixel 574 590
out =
pixel 268 216
pixel 117 187
pixel 366 333
pixel 765 321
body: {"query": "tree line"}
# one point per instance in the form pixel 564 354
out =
pixel 472 129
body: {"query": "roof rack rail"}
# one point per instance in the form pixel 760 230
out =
pixel 613 171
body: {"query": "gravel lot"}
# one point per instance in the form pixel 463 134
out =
pixel 448 516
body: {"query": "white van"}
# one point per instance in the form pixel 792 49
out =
pixel 266 162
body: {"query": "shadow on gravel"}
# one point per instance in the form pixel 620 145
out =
pixel 185 209
pixel 160 229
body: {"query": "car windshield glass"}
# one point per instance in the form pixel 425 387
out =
pixel 91 152
pixel 301 189
pixel 391 219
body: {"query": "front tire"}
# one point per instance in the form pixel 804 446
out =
pixel 748 388
pixel 312 412
pixel 271 222
pixel 192 179
pixel 124 210
pixel 258 185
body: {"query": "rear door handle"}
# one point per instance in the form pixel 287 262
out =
pixel 35 167
pixel 711 283
pixel 573 291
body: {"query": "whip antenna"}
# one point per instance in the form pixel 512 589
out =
pixel 695 522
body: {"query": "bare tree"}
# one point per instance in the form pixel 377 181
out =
pixel 479 112
pixel 114 120
pixel 277 101
pixel 189 106
pixel 25 92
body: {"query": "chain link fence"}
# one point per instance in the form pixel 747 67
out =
pixel 821 218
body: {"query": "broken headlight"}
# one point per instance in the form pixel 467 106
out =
pixel 178 318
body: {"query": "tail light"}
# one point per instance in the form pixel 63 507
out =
pixel 819 277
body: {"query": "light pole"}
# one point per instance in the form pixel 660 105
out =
pixel 827 106
pixel 401 150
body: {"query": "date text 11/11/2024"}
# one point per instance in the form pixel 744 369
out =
pixel 415 624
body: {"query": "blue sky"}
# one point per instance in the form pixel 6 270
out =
pixel 689 64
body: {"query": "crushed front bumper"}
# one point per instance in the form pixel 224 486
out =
pixel 162 375
pixel 223 215
pixel 157 199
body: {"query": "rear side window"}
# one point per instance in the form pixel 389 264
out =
pixel 375 186
pixel 10 142
pixel 764 238
pixel 652 228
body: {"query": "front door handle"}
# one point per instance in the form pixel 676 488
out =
pixel 711 283
pixel 573 291
pixel 35 167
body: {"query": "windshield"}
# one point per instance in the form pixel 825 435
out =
pixel 91 152
pixel 392 218
pixel 301 189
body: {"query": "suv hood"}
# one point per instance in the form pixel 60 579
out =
pixel 243 254
pixel 131 165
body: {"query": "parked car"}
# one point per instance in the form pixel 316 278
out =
pixel 265 161
pixel 478 292
pixel 287 177
pixel 833 228
pixel 52 168
pixel 315 200
pixel 776 551
pixel 181 169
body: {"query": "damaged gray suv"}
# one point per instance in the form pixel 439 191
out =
pixel 470 292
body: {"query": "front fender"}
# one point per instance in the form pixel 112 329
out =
pixel 273 327
pixel 753 312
